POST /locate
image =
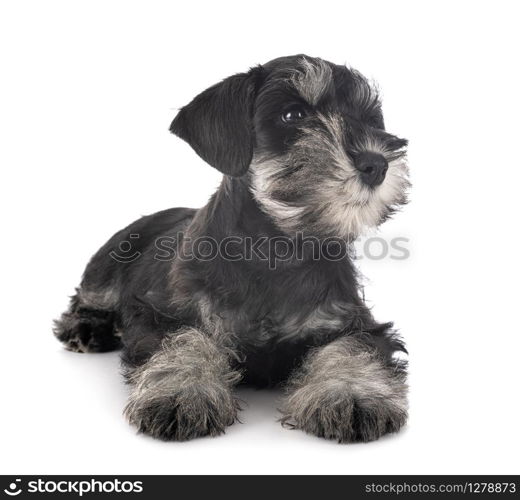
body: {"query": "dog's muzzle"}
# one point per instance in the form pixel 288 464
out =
pixel 372 168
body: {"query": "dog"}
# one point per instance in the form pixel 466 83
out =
pixel 307 166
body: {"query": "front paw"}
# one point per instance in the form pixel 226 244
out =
pixel 348 410
pixel 184 414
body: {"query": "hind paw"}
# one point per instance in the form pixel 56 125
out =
pixel 87 332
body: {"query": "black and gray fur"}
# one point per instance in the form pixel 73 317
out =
pixel 303 149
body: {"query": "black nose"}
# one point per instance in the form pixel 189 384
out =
pixel 372 166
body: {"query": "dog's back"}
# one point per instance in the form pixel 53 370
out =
pixel 115 285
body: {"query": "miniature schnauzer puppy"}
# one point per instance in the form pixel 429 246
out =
pixel 307 163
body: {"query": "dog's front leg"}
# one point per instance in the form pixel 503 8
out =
pixel 184 390
pixel 346 391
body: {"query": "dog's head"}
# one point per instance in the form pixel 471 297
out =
pixel 308 137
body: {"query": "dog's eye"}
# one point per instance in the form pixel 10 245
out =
pixel 293 115
pixel 376 122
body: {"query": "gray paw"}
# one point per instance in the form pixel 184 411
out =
pixel 185 414
pixel 343 417
pixel 353 399
pixel 185 390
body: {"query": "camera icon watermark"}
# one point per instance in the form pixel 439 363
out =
pixel 124 252
pixel 14 488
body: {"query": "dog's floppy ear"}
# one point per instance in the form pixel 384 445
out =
pixel 218 123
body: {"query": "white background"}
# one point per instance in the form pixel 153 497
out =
pixel 88 90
